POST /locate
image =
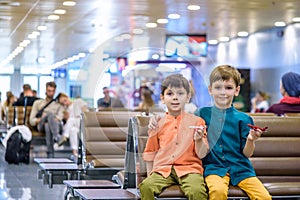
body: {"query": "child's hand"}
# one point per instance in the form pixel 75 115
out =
pixel 153 123
pixel 254 134
pixel 199 132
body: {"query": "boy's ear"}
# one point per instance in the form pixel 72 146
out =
pixel 237 91
pixel 209 89
pixel 162 98
pixel 188 98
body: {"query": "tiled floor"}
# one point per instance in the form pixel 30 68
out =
pixel 21 182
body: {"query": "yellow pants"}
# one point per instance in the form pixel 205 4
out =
pixel 218 188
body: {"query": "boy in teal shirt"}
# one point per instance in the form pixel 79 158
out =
pixel 231 141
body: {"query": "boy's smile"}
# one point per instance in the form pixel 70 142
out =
pixel 223 92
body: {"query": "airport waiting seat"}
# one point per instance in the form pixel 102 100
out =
pixel 103 142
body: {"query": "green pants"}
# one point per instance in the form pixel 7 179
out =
pixel 192 185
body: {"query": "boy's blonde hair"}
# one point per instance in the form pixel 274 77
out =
pixel 225 72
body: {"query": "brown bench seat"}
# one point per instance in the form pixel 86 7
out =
pixel 103 141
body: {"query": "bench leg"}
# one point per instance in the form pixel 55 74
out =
pixel 50 180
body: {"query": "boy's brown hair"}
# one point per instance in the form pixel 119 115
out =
pixel 225 72
pixel 175 80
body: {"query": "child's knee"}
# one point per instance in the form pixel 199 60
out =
pixel 195 191
pixel 147 185
pixel 196 194
pixel 218 192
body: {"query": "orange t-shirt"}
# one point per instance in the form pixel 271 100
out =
pixel 172 144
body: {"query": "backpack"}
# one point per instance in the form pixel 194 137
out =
pixel 17 149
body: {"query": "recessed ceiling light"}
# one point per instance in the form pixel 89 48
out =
pixel 41 59
pixel 37 33
pixel 243 34
pixel 126 36
pixel 155 56
pixel 280 24
pixel 60 11
pixel 53 17
pixel 212 42
pixel 137 31
pixel 24 43
pixel 296 19
pixel 224 39
pixel 69 3
pixel 193 7
pixel 42 28
pixel 162 21
pixel 173 16
pixel 151 25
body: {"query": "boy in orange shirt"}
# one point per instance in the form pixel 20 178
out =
pixel 174 150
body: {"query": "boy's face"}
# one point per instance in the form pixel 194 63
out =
pixel 175 99
pixel 223 92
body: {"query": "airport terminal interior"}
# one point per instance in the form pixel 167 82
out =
pixel 125 49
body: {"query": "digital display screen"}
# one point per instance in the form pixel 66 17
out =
pixel 190 46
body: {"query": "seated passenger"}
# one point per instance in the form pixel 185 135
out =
pixel 290 90
pixel 107 101
pixel 72 117
pixel 46 115
pixel 260 102
pixel 26 99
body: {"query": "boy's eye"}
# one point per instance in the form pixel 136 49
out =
pixel 229 88
pixel 169 93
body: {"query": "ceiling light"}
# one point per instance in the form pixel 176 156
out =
pixel 24 43
pixel 137 31
pixel 155 56
pixel 279 24
pixel 126 36
pixel 212 42
pixel 193 7
pixel 53 17
pixel 60 11
pixel 162 21
pixel 173 16
pixel 69 3
pixel 31 36
pixel 296 19
pixel 224 39
pixel 91 50
pixel 42 28
pixel 81 55
pixel 37 33
pixel 151 25
pixel 243 34
pixel 41 59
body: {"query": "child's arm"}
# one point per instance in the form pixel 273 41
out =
pixel 149 166
pixel 201 143
pixel 250 143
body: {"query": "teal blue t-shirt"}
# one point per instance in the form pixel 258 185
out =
pixel 227 135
